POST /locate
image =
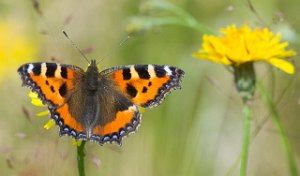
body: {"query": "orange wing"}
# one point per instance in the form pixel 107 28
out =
pixel 52 82
pixel 67 123
pixel 146 85
pixel 124 123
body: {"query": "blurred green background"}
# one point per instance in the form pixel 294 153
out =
pixel 195 131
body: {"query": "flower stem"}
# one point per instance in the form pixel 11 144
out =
pixel 246 138
pixel 283 137
pixel 80 159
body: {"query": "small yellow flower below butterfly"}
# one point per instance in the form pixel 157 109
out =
pixel 49 124
pixel 76 143
pixel 37 102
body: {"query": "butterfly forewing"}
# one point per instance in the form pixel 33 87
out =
pixel 52 82
pixel 146 85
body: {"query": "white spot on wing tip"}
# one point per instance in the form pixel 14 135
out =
pixel 30 67
pixel 167 69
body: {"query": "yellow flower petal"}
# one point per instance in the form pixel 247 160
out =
pixel 76 143
pixel 283 65
pixel 37 102
pixel 43 113
pixel 32 94
pixel 49 124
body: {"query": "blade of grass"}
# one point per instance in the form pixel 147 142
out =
pixel 262 123
pixel 279 126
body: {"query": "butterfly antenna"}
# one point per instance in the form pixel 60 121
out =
pixel 82 54
pixel 115 48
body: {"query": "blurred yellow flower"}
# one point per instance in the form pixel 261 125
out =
pixel 236 46
pixel 16 47
pixel 76 143
pixel 49 124
pixel 37 102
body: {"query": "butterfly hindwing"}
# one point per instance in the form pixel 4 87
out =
pixel 146 85
pixel 67 122
pixel 105 116
pixel 124 122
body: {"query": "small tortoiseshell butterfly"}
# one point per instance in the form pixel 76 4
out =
pixel 99 106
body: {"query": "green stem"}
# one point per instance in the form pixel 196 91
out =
pixel 80 159
pixel 246 138
pixel 279 126
pixel 262 122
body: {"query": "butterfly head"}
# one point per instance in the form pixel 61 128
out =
pixel 92 76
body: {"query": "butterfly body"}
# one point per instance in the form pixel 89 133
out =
pixel 99 106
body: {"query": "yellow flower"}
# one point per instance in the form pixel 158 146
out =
pixel 76 143
pixel 37 102
pixel 16 46
pixel 237 46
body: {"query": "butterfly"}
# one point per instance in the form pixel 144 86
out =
pixel 99 106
